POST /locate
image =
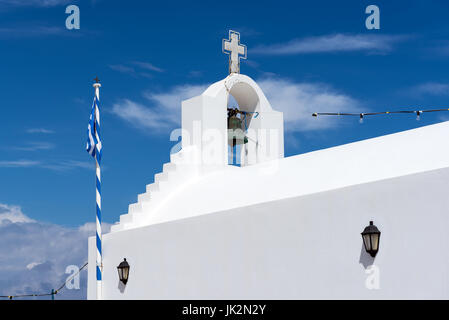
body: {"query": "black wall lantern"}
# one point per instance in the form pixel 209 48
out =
pixel 123 271
pixel 371 238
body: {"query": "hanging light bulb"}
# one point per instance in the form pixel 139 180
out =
pixel 361 118
pixel 418 115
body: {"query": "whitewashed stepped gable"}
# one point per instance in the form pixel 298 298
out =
pixel 211 109
pixel 156 191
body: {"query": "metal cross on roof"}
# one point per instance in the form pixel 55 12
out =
pixel 235 50
pixel 97 80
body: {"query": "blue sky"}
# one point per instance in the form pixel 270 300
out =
pixel 308 56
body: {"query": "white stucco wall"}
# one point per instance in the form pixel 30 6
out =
pixel 303 247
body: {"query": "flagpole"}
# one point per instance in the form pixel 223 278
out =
pixel 99 260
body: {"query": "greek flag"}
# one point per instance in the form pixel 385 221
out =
pixel 93 146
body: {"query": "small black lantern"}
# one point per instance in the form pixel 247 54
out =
pixel 371 237
pixel 123 271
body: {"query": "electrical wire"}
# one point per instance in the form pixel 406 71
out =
pixel 361 115
pixel 10 297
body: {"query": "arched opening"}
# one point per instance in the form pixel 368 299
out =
pixel 242 108
pixel 205 125
pixel 236 134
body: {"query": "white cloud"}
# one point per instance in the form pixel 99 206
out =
pixel 35 146
pixel 65 165
pixel 40 130
pixel 19 163
pixel 163 110
pixel 172 99
pixel 299 100
pixel 147 66
pixel 139 115
pixel 136 72
pixel 34 255
pixel 33 264
pixel 332 43
pixel 12 214
pixel 123 69
pixel 432 88
pixel 55 165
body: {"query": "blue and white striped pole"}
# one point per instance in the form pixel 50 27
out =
pixel 99 265
pixel 94 149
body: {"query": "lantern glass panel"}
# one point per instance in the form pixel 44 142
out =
pixel 125 273
pixel 367 242
pixel 375 241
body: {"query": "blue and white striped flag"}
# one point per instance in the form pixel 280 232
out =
pixel 93 132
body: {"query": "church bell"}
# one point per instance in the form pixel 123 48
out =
pixel 235 132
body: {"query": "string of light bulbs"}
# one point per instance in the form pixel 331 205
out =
pixel 10 297
pixel 362 115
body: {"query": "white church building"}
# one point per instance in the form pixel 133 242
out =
pixel 276 227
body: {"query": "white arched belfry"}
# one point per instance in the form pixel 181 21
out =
pixel 204 123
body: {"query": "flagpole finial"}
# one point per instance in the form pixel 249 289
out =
pixel 97 83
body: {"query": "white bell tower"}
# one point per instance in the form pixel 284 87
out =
pixel 204 117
